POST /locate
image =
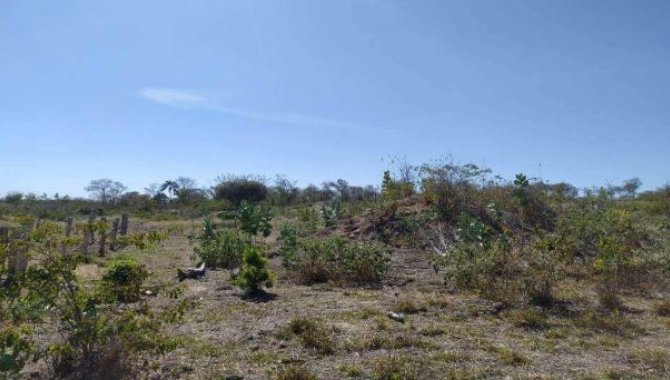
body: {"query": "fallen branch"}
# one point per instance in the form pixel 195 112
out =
pixel 191 272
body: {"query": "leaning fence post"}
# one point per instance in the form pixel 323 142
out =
pixel 103 237
pixel 112 234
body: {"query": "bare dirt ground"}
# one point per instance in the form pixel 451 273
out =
pixel 444 335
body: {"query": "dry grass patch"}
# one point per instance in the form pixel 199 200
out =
pixel 312 335
pixel 398 367
pixel 408 306
pixel 432 331
pixel 507 355
pixel 531 319
pixel 656 361
pixel 392 342
pixel 295 372
pixel 615 323
pixel 662 308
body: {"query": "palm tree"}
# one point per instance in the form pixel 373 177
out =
pixel 171 186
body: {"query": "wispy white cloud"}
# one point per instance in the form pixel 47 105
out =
pixel 172 97
pixel 187 99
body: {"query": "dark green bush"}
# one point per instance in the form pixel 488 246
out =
pixel 241 189
pixel 254 273
pixel 220 249
pixel 123 279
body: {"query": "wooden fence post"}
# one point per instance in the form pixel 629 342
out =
pixel 123 230
pixel 103 238
pixel 17 253
pixel 68 232
pixel 89 234
pixel 68 226
pixel 21 252
pixel 112 234
pixel 4 245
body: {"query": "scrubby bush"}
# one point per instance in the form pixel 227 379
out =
pixel 123 279
pixel 393 190
pixel 498 266
pixel 451 188
pixel 605 239
pixel 339 260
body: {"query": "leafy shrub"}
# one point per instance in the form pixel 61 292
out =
pixel 254 219
pixel 15 349
pixel 254 273
pixel 123 279
pixel 288 250
pixel 340 260
pixel 220 249
pixel 331 212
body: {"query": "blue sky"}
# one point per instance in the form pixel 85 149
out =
pixel 143 91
